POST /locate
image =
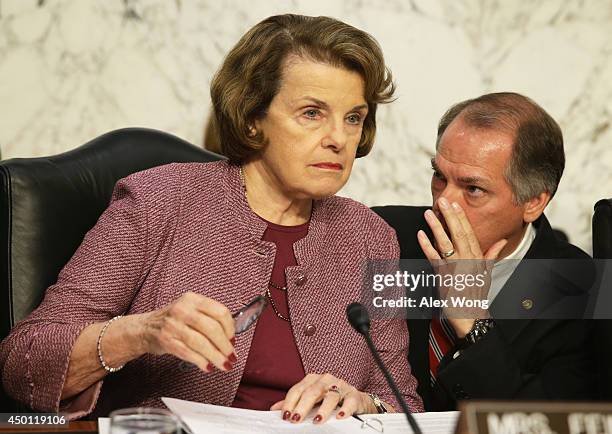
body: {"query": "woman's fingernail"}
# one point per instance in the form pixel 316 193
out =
pixel 456 206
pixel 341 413
pixel 232 358
pixel 318 418
pixel 233 340
pixel 228 366
pixel 443 202
pixel 296 417
pixel 286 415
pixel 210 367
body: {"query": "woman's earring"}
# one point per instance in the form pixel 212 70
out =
pixel 252 132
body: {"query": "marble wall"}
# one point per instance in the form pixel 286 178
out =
pixel 73 69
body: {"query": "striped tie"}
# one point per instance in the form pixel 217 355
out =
pixel 441 340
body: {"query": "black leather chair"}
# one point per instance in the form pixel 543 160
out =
pixel 602 229
pixel 602 249
pixel 48 204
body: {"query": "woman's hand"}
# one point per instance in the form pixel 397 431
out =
pixel 194 328
pixel 327 390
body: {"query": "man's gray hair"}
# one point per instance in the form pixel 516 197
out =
pixel 537 159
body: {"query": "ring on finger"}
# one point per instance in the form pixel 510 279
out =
pixel 448 254
pixel 336 389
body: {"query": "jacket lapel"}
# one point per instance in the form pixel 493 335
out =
pixel 531 288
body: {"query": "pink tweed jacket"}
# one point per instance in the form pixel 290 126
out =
pixel 188 227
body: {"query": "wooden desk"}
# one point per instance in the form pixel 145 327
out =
pixel 84 427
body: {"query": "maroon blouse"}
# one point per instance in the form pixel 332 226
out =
pixel 274 364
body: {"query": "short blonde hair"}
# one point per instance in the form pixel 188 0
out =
pixel 250 76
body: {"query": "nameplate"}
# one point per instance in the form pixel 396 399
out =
pixel 497 417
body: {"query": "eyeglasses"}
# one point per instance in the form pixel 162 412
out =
pixel 371 422
pixel 243 319
pixel 375 424
pixel 248 315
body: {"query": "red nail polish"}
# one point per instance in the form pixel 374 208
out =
pixel 233 340
pixel 232 358
pixel 295 417
pixel 286 415
pixel 210 367
pixel 318 418
pixel 341 414
pixel 228 366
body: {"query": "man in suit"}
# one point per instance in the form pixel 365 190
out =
pixel 499 159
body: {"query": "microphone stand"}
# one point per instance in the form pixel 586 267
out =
pixel 413 424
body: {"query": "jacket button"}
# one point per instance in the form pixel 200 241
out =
pixel 310 330
pixel 300 280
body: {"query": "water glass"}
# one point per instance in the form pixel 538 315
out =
pixel 143 421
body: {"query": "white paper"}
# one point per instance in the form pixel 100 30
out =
pixel 205 418
pixel 104 425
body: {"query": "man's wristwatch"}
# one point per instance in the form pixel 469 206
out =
pixel 380 406
pixel 480 328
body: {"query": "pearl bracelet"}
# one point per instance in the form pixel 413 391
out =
pixel 102 362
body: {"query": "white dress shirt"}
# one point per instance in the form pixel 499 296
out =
pixel 503 269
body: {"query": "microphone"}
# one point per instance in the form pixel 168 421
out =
pixel 358 317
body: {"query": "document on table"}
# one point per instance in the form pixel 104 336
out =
pixel 205 418
pixel 200 418
pixel 104 425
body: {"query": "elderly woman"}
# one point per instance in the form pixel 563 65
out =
pixel 143 309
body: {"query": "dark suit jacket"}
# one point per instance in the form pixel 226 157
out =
pixel 525 358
